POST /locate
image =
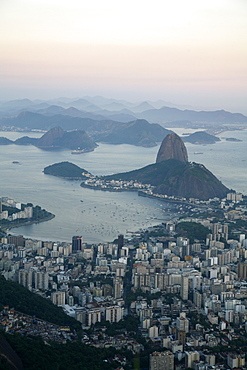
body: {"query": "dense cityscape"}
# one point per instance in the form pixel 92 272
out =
pixel 176 291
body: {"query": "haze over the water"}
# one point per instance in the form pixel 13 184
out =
pixel 188 52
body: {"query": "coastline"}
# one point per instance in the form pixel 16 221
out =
pixel 142 194
pixel 99 187
pixel 29 222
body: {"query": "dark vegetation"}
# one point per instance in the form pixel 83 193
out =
pixel 176 178
pixel 129 323
pixel 35 354
pixel 17 296
pixel 39 214
pixel 193 231
pixel 65 170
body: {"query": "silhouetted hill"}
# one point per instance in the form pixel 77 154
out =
pixel 26 140
pixel 166 114
pixel 5 141
pixel 176 178
pixel 139 132
pixel 29 120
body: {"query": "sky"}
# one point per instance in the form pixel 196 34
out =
pixel 192 53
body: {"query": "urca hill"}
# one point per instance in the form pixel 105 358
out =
pixel 173 175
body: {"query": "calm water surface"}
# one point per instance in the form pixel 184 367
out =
pixel 96 215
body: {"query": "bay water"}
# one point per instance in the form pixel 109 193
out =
pixel 99 216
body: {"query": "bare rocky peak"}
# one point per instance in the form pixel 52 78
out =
pixel 172 147
pixel 48 138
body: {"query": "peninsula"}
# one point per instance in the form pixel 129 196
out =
pixel 16 214
pixel 173 175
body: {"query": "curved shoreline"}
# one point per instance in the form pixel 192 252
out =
pixel 48 218
pixel 99 187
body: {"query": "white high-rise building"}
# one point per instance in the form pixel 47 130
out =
pixel 114 313
pixel 25 278
pixel 182 323
pixel 41 280
pixel 58 298
pixel 185 288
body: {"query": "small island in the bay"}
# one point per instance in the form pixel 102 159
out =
pixel 67 170
pixel 232 139
pixel 201 137
pixel 15 214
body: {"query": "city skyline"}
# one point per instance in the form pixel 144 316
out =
pixel 191 53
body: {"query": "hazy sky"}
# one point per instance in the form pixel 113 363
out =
pixel 190 52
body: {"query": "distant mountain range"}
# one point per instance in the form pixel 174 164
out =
pixel 167 114
pixel 138 132
pixel 109 120
pixel 100 108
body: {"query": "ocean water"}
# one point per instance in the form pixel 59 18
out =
pixel 227 160
pixel 96 215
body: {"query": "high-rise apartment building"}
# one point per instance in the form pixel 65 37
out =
pixel 76 244
pixel 185 288
pixel 190 357
pixel 118 287
pixel 242 270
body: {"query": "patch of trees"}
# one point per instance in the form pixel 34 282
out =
pixel 21 299
pixel 193 231
pixel 128 323
pixel 35 354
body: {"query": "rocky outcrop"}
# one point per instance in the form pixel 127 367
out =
pixel 172 147
pixel 191 180
pixel 58 138
pixel 50 137
pixel 176 178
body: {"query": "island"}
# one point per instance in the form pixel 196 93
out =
pixel 232 139
pixel 67 170
pixel 201 137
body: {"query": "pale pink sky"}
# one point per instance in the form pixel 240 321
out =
pixel 188 52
